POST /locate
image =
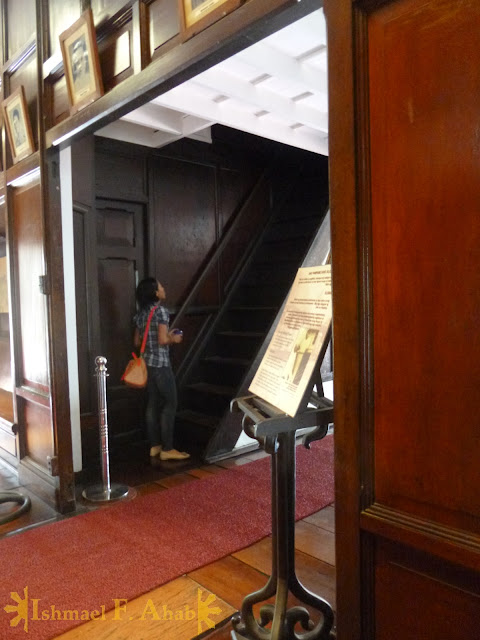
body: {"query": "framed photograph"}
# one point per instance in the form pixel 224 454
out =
pixel 18 125
pixel 196 15
pixel 81 62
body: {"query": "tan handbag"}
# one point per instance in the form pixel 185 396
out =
pixel 136 374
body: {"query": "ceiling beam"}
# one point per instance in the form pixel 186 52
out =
pixel 137 134
pixel 269 60
pixel 233 116
pixel 156 117
pixel 261 96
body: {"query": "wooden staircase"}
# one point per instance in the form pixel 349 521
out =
pixel 241 326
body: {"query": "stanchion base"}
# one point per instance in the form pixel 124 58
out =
pixel 24 502
pixel 98 493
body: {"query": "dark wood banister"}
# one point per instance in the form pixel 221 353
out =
pixel 225 239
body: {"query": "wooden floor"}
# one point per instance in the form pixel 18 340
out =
pixel 202 602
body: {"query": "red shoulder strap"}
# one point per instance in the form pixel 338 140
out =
pixel 145 335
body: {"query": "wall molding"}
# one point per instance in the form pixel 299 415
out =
pixel 453 544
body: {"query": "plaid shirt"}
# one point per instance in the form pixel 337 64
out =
pixel 155 355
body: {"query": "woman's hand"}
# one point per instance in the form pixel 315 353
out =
pixel 168 337
pixel 175 336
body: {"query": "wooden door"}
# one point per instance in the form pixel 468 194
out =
pixel 405 200
pixel 120 265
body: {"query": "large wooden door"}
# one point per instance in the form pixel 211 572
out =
pixel 405 200
pixel 120 265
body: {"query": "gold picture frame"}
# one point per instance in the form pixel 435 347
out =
pixel 81 62
pixel 196 15
pixel 17 123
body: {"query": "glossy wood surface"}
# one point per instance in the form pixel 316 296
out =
pixel 345 290
pixel 405 262
pixel 406 581
pixel 426 234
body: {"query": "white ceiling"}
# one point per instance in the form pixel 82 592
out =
pixel 277 89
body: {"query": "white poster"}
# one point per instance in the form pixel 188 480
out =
pixel 288 364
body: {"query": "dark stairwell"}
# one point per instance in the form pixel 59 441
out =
pixel 218 364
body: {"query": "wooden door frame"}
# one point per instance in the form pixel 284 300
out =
pixel 350 290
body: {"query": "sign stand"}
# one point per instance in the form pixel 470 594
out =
pixel 275 431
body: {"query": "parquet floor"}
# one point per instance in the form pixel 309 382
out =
pixel 203 601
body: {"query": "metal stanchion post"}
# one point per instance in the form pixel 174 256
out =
pixel 105 492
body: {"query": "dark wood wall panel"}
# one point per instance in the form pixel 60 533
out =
pixel 38 431
pixel 233 185
pixel 232 189
pixel 185 225
pixel 29 262
pixel 426 281
pixel 120 176
pixel 83 171
pixel 414 599
pixel 163 22
pixel 249 225
pixel 21 24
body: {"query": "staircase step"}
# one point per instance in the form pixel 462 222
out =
pixel 246 317
pixel 217 389
pixel 229 362
pixel 243 308
pixel 276 260
pixel 202 419
pixel 241 334
pixel 259 293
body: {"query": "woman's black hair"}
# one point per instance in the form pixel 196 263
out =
pixel 146 293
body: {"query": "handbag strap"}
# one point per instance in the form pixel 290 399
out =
pixel 145 335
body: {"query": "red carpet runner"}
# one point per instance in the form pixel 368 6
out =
pixel 130 548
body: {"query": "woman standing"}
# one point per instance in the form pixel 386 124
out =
pixel 161 387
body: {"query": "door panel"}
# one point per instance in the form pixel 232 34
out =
pixel 426 238
pixel 453 606
pixel 29 260
pixel 404 152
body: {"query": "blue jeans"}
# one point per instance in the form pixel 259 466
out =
pixel 161 406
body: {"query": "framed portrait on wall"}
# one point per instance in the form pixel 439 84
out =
pixel 81 62
pixel 17 122
pixel 196 15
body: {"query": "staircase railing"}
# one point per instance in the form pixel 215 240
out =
pixel 230 423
